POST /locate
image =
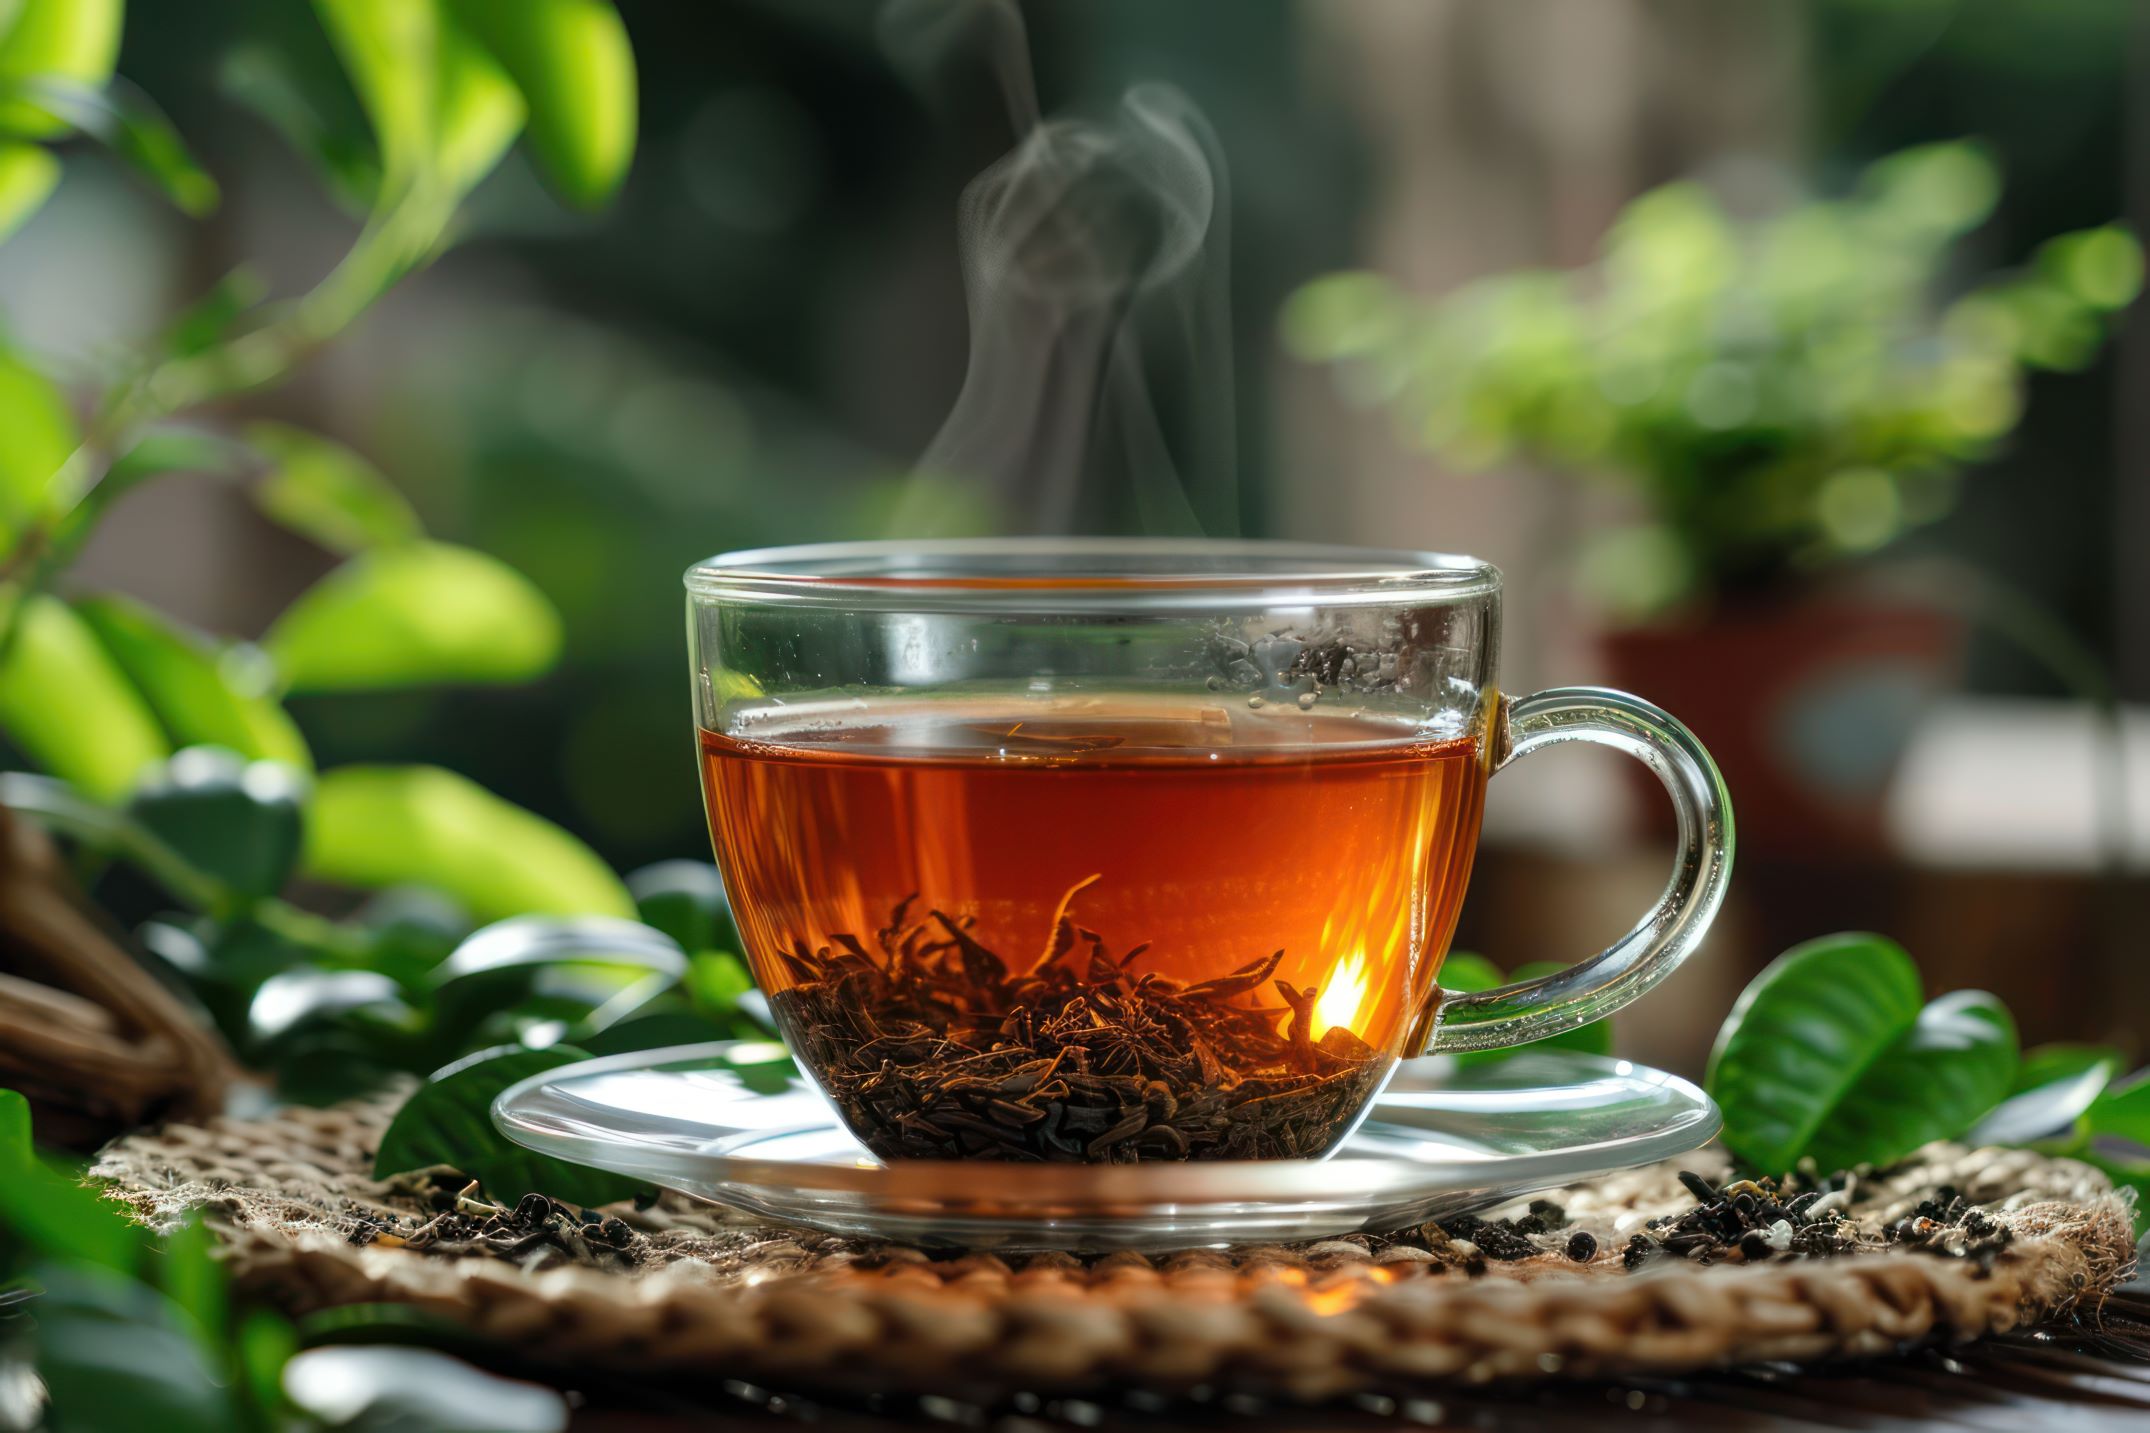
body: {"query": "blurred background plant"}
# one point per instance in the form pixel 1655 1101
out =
pixel 1779 393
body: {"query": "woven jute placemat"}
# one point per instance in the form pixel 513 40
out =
pixel 2010 1239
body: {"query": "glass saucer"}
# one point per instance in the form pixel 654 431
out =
pixel 735 1123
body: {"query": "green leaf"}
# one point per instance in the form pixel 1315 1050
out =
pixel 51 1213
pixel 654 1032
pixel 41 436
pixel 28 175
pixel 194 1281
pixel 237 820
pixel 448 1121
pixel 2123 1110
pixel 685 900
pixel 576 71
pixel 67 705
pixel 378 826
pixel 205 694
pixel 128 123
pixel 116 1354
pixel 56 40
pixel 441 108
pixel 2054 1085
pixel 1829 1053
pixel 266 1343
pixel 416 614
pixel 715 981
pixel 1467 974
pixel 324 491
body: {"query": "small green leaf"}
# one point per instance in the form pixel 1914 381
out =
pixel 448 1121
pixel 715 981
pixel 128 123
pixel 685 900
pixel 240 821
pixel 28 175
pixel 420 613
pixel 1829 1053
pixel 479 111
pixel 387 47
pixel 205 694
pixel 67 705
pixel 324 491
pixel 576 71
pixel 41 436
pixel 2123 1110
pixel 56 40
pixel 378 826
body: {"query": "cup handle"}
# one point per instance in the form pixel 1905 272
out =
pixel 1533 1009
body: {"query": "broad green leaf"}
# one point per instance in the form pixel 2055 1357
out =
pixel 56 40
pixel 51 1213
pixel 67 705
pixel 448 1121
pixel 377 826
pixel 41 437
pixel 237 820
pixel 194 1281
pixel 324 491
pixel 205 694
pixel 419 613
pixel 1828 1052
pixel 576 71
pixel 386 1387
pixel 685 900
pixel 2054 1085
pixel 2123 1110
pixel 656 1031
pixel 117 1354
pixel 294 999
pixel 28 174
pixel 128 123
pixel 1935 1081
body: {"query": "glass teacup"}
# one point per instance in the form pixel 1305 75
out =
pixel 1090 850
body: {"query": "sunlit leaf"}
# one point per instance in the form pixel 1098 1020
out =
pixel 324 491
pixel 27 176
pixel 376 826
pixel 205 694
pixel 415 614
pixel 40 436
pixel 56 40
pixel 129 123
pixel 479 110
pixel 388 48
pixel 576 71
pixel 67 705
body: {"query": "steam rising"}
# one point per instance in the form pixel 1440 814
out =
pixel 1094 254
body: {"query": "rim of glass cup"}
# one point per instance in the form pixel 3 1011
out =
pixel 1088 571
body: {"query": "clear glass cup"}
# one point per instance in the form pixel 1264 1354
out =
pixel 1119 849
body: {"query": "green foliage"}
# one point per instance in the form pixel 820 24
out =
pixel 1830 1054
pixel 28 174
pixel 377 826
pixel 448 1121
pixel 1467 973
pixel 324 491
pixel 413 614
pixel 1777 394
pixel 66 704
pixel 203 692
pixel 239 822
pixel 686 900
pixel 40 430
pixel 571 61
pixel 56 40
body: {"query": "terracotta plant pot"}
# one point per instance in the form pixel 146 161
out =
pixel 1806 701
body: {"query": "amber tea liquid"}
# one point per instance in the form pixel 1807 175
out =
pixel 1213 834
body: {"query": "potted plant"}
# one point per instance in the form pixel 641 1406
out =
pixel 1769 399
